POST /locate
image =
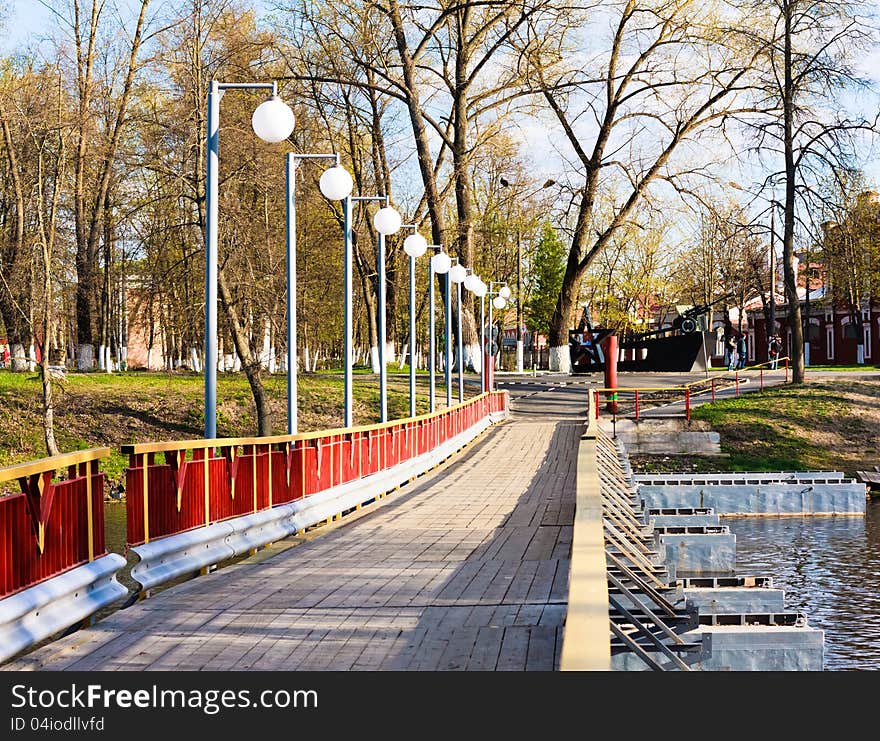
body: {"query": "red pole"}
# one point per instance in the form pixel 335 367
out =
pixel 637 404
pixel 713 390
pixel 762 378
pixel 611 353
pixel 737 383
pixel 596 405
pixel 786 370
pixel 687 403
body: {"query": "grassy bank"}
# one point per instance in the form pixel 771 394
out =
pixel 96 409
pixel 821 425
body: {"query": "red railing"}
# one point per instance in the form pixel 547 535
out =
pixel 623 396
pixel 199 482
pixel 51 526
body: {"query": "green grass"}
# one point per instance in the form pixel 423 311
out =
pixel 827 425
pixel 99 409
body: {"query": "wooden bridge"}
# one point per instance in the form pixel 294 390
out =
pixel 466 567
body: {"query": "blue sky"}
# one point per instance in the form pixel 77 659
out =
pixel 24 21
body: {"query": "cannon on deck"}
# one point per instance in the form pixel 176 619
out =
pixel 679 348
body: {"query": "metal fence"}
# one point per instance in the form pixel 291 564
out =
pixel 52 525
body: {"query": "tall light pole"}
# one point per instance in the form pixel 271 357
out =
pixel 771 330
pixel 387 221
pixel 415 245
pixel 335 184
pixel 272 121
pixel 447 350
pixel 473 283
pixel 440 264
pixel 480 289
pixel 499 301
pixel 457 274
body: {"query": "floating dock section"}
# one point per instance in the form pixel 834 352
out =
pixel 723 621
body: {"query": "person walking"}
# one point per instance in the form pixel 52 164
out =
pixel 731 352
pixel 773 350
pixel 727 337
pixel 743 350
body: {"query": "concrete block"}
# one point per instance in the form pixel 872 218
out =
pixel 761 648
pixel 847 498
pixel 710 550
pixel 735 600
pixel 683 520
pixel 747 647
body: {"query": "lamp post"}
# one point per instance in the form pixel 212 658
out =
pixel 473 283
pixel 441 263
pixel 335 184
pixel 457 274
pixel 387 221
pixel 415 245
pixel 480 290
pixel 272 121
pixel 499 301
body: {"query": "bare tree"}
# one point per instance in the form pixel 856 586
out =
pixel 667 75
pixel 809 49
pixel 95 154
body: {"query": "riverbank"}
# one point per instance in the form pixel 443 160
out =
pixel 825 424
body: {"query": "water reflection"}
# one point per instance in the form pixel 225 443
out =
pixel 829 568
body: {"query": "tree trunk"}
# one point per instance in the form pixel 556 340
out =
pixel 90 200
pixel 369 302
pixel 14 297
pixel 250 363
pixel 420 133
pixel 789 274
pixel 464 202
pixel 561 321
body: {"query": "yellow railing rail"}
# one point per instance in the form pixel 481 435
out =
pixel 159 447
pixel 586 643
pixel 52 463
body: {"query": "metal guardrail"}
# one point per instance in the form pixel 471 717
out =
pixel 620 598
pixel 743 477
pixel 44 609
pixel 54 568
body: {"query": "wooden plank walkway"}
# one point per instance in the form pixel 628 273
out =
pixel 466 568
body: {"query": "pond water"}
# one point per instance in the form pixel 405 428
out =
pixel 829 568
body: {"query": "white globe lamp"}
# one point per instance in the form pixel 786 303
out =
pixel 504 292
pixel 336 183
pixel 498 302
pixel 273 120
pixel 481 289
pixel 441 262
pixel 458 273
pixel 387 221
pixel 415 245
pixel 471 282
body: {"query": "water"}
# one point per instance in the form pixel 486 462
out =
pixel 829 568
